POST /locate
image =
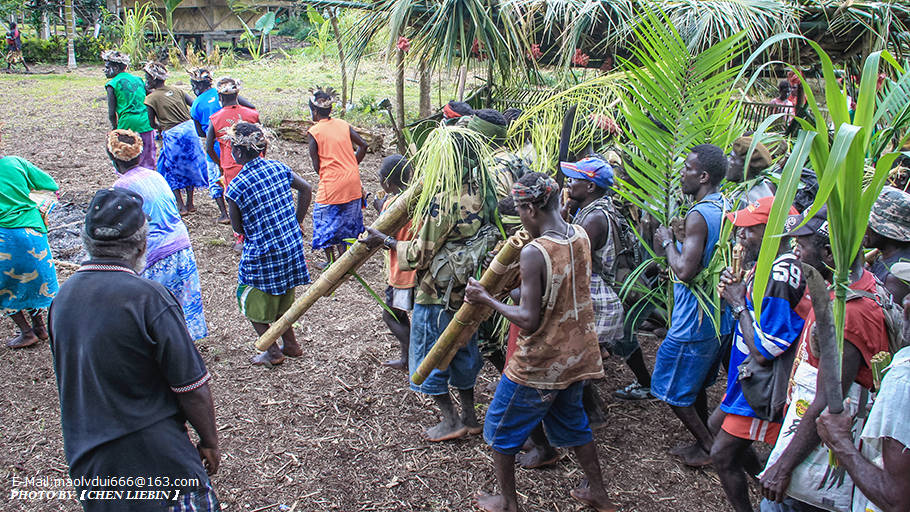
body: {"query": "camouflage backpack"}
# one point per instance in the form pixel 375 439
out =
pixel 457 260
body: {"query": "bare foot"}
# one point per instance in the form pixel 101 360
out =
pixel 191 209
pixel 41 332
pixel 493 503
pixel 267 359
pixel 474 427
pixel 696 457
pixel 679 451
pixel 25 339
pixel 398 364
pixel 446 431
pixel 292 349
pixel 538 457
pixel 599 503
pixel 224 219
pixel 183 212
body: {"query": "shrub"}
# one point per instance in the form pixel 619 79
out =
pixel 53 50
pixel 298 27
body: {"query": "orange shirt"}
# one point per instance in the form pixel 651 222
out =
pixel 339 174
pixel 400 278
pixel 221 120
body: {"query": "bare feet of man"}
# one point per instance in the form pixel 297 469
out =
pixel 447 430
pixel 25 339
pixel 492 503
pixel 398 364
pixel 270 357
pixel 587 496
pixel 292 349
pixel 538 457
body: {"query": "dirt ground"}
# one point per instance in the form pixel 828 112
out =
pixel 332 430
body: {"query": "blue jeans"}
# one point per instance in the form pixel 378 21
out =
pixel 683 368
pixel 517 409
pixel 427 323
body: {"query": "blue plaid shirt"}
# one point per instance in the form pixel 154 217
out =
pixel 273 259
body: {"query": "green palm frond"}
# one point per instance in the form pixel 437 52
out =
pixel 688 94
pixel 443 32
pixel 543 121
pixel 884 22
pixel 451 158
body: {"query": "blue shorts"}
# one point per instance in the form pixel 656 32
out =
pixel 427 323
pixel 333 224
pixel 516 410
pixel 683 368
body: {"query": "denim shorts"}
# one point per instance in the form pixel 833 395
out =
pixel 683 368
pixel 516 410
pixel 427 323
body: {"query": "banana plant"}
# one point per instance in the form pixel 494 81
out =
pixel 852 163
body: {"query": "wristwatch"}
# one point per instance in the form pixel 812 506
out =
pixel 388 241
pixel 666 243
pixel 738 310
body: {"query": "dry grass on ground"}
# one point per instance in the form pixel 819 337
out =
pixel 332 430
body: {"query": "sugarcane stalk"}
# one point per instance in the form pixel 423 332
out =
pixel 469 316
pixel 392 219
pixel 826 339
pixel 879 363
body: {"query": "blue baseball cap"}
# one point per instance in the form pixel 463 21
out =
pixel 589 168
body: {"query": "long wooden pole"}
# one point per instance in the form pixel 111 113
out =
pixel 390 221
pixel 469 316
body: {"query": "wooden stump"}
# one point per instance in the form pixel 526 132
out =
pixel 297 130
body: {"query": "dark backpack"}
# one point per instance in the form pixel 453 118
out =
pixel 894 313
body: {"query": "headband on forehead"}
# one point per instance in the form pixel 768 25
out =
pixel 539 192
pixel 124 151
pixel 201 75
pixel 156 70
pixel 322 98
pixel 115 56
pixel 227 85
pixel 255 140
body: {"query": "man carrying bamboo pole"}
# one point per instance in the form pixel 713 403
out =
pixel 556 350
pixel 458 205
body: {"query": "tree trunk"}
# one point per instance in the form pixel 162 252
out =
pixel 45 24
pixel 462 78
pixel 344 72
pixel 425 88
pixel 68 23
pixel 399 99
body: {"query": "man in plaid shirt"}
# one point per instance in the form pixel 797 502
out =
pixel 262 209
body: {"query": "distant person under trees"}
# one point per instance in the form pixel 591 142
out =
pixel 14 48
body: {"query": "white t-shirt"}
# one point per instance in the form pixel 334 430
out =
pixel 888 418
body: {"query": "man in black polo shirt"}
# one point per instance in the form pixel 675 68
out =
pixel 129 376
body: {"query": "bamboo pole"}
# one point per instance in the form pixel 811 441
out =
pixel 469 316
pixel 392 219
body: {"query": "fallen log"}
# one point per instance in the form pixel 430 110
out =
pixel 392 219
pixel 469 316
pixel 297 130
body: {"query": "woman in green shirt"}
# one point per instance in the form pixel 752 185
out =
pixel 126 103
pixel 28 280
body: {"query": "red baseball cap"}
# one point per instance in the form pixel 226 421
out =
pixel 754 214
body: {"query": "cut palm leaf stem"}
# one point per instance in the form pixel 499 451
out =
pixel 373 294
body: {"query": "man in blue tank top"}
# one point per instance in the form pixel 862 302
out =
pixel 687 360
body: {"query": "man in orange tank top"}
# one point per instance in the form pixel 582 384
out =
pixel 337 211
pixel 556 350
